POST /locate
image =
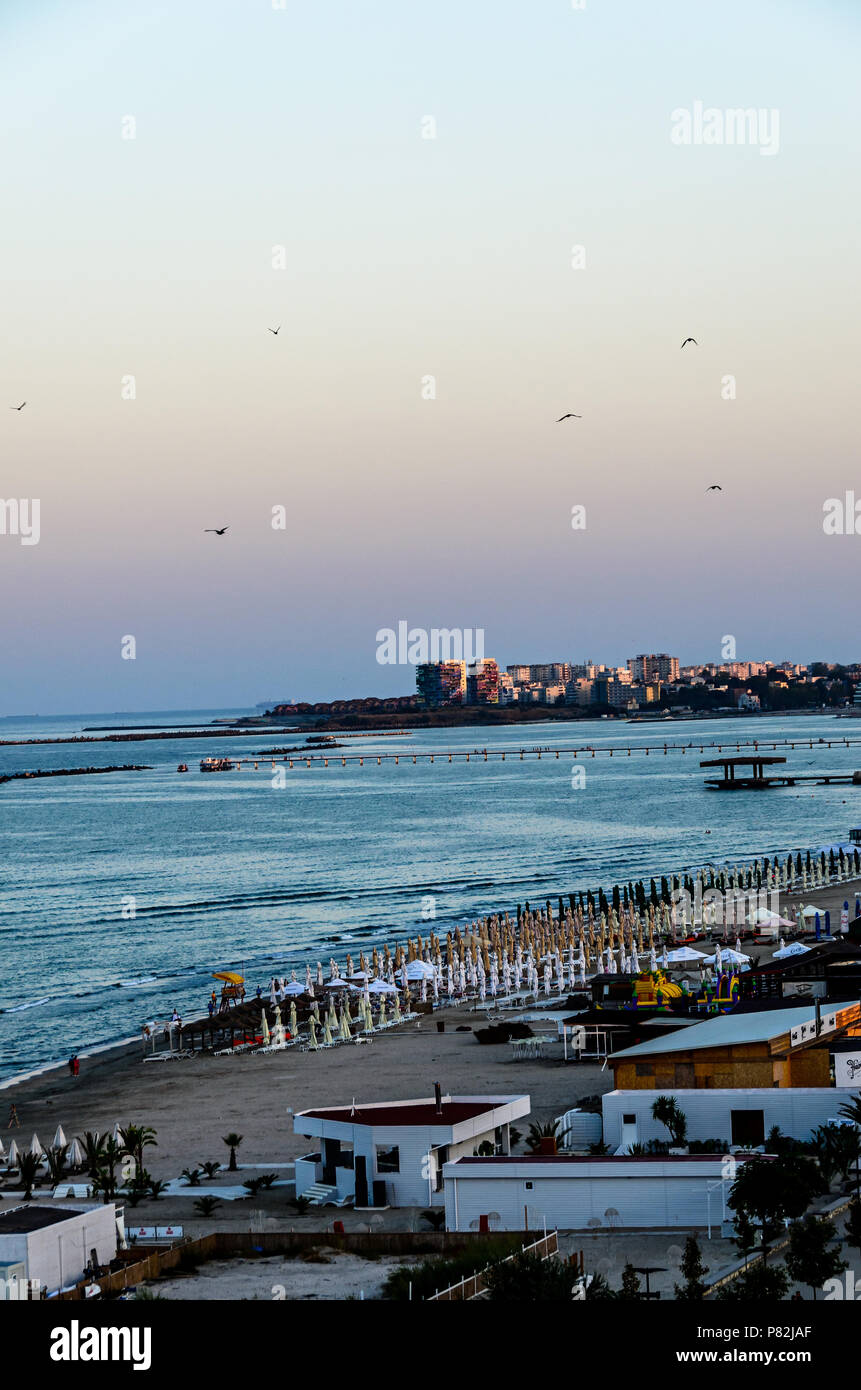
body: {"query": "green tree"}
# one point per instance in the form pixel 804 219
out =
pixel 156 1188
pixel 666 1110
pixel 772 1191
pixel 760 1284
pixel 694 1270
pixel 810 1258
pixel 93 1145
pixel 528 1279
pixel 192 1177
pixel 852 1226
pixel 210 1169
pixel 28 1171
pixel 205 1206
pixel 56 1159
pixel 232 1141
pixel 745 1235
pixel 539 1132
pixel 136 1138
pixel 631 1286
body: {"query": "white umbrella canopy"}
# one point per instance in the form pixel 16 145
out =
pixel 381 987
pixel 76 1156
pixel 295 988
pixel 419 970
pixel 2 1150
pixel 337 983
pixel 59 1141
pixel 14 1154
pixel 796 948
pixel 36 1146
pixel 728 954
pixel 684 953
pixel 812 912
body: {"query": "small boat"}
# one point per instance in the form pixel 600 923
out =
pixel 183 767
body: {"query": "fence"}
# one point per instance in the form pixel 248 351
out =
pixel 545 1248
pixel 242 1245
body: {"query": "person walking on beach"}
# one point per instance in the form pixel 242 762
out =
pixel 13 1117
pixel 76 1066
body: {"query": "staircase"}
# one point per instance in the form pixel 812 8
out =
pixel 319 1195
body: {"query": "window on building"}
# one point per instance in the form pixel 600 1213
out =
pixel 629 1119
pixel 748 1127
pixel 389 1160
pixel 645 1069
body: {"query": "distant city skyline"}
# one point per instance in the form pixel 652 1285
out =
pixel 465 226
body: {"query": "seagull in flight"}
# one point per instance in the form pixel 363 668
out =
pixel 18 407
pixel 690 340
pixel 569 416
pixel 276 331
pixel 715 487
pixel 215 530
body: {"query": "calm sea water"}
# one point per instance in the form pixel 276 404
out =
pixel 227 872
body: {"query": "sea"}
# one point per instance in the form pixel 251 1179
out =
pixel 123 893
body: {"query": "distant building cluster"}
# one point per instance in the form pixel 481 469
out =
pixel 649 681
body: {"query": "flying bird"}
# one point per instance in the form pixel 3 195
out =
pixel 715 487
pixel 690 340
pixel 215 530
pixel 569 416
pixel 18 407
pixel 276 331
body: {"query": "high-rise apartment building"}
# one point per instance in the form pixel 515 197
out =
pixel 654 667
pixel 441 683
pixel 482 683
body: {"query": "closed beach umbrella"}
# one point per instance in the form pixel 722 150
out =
pixel 312 1033
pixel 653 959
pixel 327 1033
pixel 308 978
pixel 265 1026
pixel 398 1014
pixel 294 1024
pixel 273 996
pixel 14 1154
pixel 59 1141
pixel 382 1018
pixel 77 1156
pixel 279 1027
pixel 319 972
pixel 345 1024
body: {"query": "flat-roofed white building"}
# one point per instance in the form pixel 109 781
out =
pixel 391 1153
pixel 740 1116
pixel 51 1246
pixel 577 1193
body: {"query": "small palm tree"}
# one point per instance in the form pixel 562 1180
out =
pixel 539 1132
pixel 210 1169
pixel 851 1109
pixel 232 1141
pixel 93 1145
pixel 156 1188
pixel 253 1186
pixel 136 1138
pixel 28 1171
pixel 192 1176
pixel 205 1206
pixel 56 1159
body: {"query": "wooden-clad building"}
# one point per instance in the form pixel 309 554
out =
pixel 774 1047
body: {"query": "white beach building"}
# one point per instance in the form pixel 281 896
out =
pixel 52 1246
pixel 579 1193
pixel 392 1153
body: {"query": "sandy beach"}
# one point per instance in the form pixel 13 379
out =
pixel 192 1103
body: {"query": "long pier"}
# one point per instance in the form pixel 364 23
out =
pixel 320 758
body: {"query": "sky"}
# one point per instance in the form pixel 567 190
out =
pixel 445 503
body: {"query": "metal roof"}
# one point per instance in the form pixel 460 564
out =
pixel 726 1031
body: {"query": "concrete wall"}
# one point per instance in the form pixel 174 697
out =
pixel 796 1110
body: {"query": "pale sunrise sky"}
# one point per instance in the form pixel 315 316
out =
pixel 406 258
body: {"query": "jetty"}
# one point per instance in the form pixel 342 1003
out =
pixel 71 772
pixel 758 780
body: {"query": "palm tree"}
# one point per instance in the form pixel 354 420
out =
pixel 192 1176
pixel 56 1159
pixel 205 1206
pixel 136 1138
pixel 156 1188
pixel 232 1141
pixel 210 1169
pixel 538 1132
pixel 28 1171
pixel 94 1148
pixel 665 1109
